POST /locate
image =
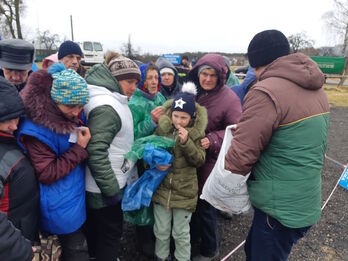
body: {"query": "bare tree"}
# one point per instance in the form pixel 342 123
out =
pixel 330 51
pixel 337 22
pixel 128 49
pixel 49 41
pixel 299 42
pixel 10 17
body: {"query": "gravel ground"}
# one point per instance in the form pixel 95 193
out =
pixel 327 240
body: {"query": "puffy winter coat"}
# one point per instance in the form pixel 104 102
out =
pixel 62 203
pixel 179 189
pixel 223 107
pixel 13 246
pixel 19 189
pixel 281 139
pixel 111 125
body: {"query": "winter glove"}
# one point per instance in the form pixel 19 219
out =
pixel 112 201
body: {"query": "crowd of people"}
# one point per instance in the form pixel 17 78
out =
pixel 65 131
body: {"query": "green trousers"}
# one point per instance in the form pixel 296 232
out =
pixel 180 231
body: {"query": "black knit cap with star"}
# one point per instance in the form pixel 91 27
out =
pixel 185 100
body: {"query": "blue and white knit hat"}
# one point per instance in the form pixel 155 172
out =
pixel 68 87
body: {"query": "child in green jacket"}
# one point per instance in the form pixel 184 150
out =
pixel 176 197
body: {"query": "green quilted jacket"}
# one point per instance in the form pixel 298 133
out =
pixel 179 189
pixel 104 123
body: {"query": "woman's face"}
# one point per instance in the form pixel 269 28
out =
pixel 128 86
pixel 152 81
pixel 167 79
pixel 208 79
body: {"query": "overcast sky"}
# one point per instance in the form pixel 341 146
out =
pixel 163 26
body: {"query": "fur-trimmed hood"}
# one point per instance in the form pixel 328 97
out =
pixel 195 131
pixel 40 107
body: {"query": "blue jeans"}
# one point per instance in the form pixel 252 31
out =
pixel 269 240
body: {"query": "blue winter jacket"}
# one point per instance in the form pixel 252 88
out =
pixel 242 89
pixel 62 204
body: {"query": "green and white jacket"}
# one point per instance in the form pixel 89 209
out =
pixel 110 121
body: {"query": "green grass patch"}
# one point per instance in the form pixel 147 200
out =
pixel 337 96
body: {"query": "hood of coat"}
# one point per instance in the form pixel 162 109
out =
pixel 102 93
pixel 100 75
pixel 297 68
pixel 195 131
pixel 215 61
pixel 39 106
pixel 168 91
pixel 163 63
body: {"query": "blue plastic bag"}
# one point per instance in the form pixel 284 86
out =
pixel 137 151
pixel 139 193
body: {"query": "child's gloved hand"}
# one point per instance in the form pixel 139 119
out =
pixel 163 167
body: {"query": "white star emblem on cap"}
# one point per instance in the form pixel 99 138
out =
pixel 179 103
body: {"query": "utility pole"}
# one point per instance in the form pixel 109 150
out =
pixel 72 29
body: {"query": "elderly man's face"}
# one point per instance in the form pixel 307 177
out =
pixel 16 77
pixel 71 61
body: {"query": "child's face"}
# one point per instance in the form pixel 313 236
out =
pixel 180 119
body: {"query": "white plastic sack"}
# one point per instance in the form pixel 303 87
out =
pixel 223 189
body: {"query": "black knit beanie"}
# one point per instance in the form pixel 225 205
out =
pixel 185 99
pixel 11 105
pixel 266 47
pixel 67 48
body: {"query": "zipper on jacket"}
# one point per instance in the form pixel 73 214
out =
pixel 170 192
